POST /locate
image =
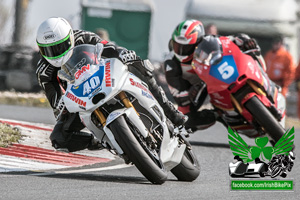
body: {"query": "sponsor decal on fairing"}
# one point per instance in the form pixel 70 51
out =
pixel 76 100
pixel 81 71
pixel 145 91
pixel 91 86
pixel 108 82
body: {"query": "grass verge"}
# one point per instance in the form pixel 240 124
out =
pixel 8 135
pixel 21 101
pixel 24 99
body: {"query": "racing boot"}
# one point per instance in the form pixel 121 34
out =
pixel 200 120
pixel 175 116
pixel 70 141
pixel 95 144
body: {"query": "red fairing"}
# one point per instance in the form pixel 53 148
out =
pixel 229 76
pixel 245 66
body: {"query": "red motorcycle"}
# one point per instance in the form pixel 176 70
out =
pixel 239 89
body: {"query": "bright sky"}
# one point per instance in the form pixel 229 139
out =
pixel 39 10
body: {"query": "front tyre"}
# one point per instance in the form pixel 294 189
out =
pixel 188 169
pixel 139 156
pixel 264 117
pixel 276 171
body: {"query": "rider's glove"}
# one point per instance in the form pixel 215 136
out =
pixel 250 44
pixel 128 56
pixel 60 108
pixel 195 92
pixel 182 98
pixel 245 43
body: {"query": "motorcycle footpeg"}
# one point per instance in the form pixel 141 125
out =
pixel 126 159
pixel 188 132
pixel 182 131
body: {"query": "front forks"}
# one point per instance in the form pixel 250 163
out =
pixel 237 101
pixel 100 116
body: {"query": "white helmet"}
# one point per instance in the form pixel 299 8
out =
pixel 55 38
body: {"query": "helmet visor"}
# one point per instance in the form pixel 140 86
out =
pixel 183 49
pixel 57 49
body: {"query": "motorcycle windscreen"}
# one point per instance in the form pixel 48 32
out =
pixel 79 59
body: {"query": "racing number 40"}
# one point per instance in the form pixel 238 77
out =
pixel 92 84
pixel 226 70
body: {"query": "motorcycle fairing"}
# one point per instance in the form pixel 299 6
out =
pixel 170 152
pixel 240 71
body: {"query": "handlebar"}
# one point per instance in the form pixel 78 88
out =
pixel 251 50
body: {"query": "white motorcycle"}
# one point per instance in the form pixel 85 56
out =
pixel 118 108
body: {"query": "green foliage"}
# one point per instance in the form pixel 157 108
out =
pixel 22 101
pixel 8 135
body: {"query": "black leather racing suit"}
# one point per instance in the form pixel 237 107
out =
pixel 67 131
pixel 181 80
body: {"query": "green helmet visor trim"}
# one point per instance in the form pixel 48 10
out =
pixel 57 49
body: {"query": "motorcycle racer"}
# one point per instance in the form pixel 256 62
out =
pixel 214 51
pixel 187 89
pixel 55 37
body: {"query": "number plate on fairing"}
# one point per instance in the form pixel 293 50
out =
pixel 89 86
pixel 226 70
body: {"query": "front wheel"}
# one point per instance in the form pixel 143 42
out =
pixel 277 170
pixel 146 160
pixel 188 169
pixel 264 117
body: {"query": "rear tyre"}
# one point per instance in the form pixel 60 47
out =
pixel 188 169
pixel 147 164
pixel 264 117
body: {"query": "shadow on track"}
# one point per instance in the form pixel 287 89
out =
pixel 96 177
pixel 210 144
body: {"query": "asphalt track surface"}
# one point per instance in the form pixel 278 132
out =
pixel 114 181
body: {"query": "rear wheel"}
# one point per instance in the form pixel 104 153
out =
pixel 145 159
pixel 188 169
pixel 264 117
